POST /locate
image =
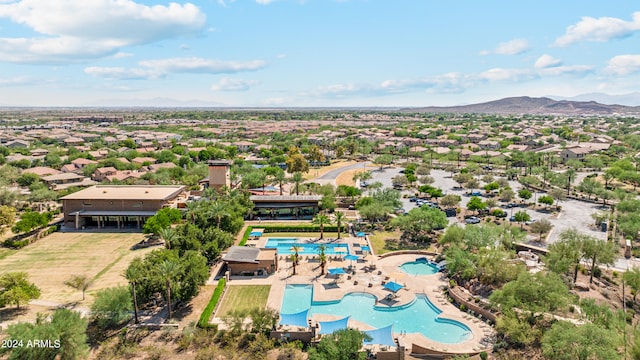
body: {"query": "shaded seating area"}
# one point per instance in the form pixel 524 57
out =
pixel 381 336
pixel 297 319
pixel 329 327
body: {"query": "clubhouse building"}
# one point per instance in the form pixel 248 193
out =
pixel 118 206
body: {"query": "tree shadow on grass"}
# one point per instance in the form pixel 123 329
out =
pixel 11 313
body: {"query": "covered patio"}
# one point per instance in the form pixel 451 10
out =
pixel 285 207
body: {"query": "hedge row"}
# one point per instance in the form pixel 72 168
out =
pixel 301 228
pixel 19 244
pixel 245 237
pixel 208 311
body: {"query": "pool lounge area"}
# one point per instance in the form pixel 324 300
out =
pixel 298 306
pixel 421 319
pixel 366 276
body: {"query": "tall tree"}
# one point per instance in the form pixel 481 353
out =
pixel 297 179
pixel 79 282
pixel 168 271
pixel 322 255
pixel 134 274
pixel 7 217
pixel 343 344
pixel 598 252
pixel 321 220
pixel 15 288
pixel 339 220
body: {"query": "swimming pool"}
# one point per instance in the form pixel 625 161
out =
pixel 420 316
pixel 419 267
pixel 284 246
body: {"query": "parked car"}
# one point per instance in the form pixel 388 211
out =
pixel 450 212
pixel 472 220
pixel 413 199
pixel 530 222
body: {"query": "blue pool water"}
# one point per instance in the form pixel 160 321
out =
pixel 420 316
pixel 296 299
pixel 419 268
pixel 284 247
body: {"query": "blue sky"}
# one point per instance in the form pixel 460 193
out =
pixel 313 52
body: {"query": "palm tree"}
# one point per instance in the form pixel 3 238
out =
pixel 339 219
pixel 168 270
pixel 134 275
pixel 570 175
pixel 322 220
pixel 323 258
pixel 295 257
pixel 297 179
pixel 281 178
pixel 218 210
pixel 168 235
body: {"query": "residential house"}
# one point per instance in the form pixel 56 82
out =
pixel 42 171
pixel 101 173
pixel 66 180
pixel 575 152
pixel 489 145
pixel 17 144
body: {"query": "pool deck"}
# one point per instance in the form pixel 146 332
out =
pixel 370 272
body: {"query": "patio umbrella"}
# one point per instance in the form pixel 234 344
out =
pixel 393 286
pixel 352 257
pixel 360 234
pixel 337 271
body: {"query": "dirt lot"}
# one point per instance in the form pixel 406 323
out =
pixel 53 259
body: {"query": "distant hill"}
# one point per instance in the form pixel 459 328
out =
pixel 630 99
pixel 529 105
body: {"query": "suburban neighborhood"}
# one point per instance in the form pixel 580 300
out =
pixel 274 234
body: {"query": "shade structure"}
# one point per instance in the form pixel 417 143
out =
pixel 366 248
pixel 361 234
pixel 381 336
pixel 352 257
pixel 255 233
pixel 336 271
pixel 393 286
pixel 329 327
pixel 297 319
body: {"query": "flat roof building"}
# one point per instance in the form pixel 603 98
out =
pixel 119 206
pixel 245 260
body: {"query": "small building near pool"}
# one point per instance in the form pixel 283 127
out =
pixel 251 261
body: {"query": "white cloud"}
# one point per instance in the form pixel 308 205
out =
pixel 623 65
pixel 576 70
pixel 511 47
pixel 228 84
pixel 120 73
pixel 154 69
pixel 546 61
pixel 499 74
pixel 122 55
pixel 264 2
pixel 454 82
pixel 80 30
pixel 599 29
pixel 200 65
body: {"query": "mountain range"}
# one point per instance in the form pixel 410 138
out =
pixel 531 105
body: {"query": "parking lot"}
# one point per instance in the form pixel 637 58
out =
pixel 574 214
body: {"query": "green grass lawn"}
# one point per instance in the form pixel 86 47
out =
pixel 244 297
pixel 378 238
pixel 302 235
pixel 52 260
